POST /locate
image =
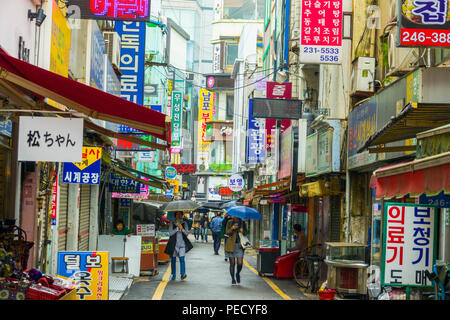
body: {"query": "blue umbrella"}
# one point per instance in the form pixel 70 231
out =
pixel 244 212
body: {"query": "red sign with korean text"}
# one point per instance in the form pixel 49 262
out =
pixel 277 90
pixel 321 31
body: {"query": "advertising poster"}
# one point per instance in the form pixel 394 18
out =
pixel 423 23
pixel 89 269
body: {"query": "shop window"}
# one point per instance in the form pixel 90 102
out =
pixel 232 53
pixel 243 9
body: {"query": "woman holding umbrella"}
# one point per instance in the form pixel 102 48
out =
pixel 233 249
pixel 178 244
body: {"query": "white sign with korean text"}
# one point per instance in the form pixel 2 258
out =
pixel 236 183
pixel 50 139
pixel 408 244
pixel 145 230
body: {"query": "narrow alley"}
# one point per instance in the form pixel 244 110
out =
pixel 208 278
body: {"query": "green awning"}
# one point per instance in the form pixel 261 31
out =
pixel 413 119
pixel 131 173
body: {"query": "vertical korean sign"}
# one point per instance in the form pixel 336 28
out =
pixel 423 23
pixel 55 197
pixel 321 31
pixel 132 50
pixel 177 99
pixel 205 114
pixel 59 46
pixel 256 140
pixel 89 270
pixel 409 244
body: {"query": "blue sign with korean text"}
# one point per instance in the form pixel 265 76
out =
pixel 441 200
pixel 87 171
pixel 119 183
pixel 132 51
pixel 97 72
pixel 6 128
pixel 256 149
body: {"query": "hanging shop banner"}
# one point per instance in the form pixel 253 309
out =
pixel 311 151
pixel 362 123
pixel 205 114
pixel 132 49
pixel 324 151
pixel 127 10
pixel 55 197
pixel 177 100
pixel 217 66
pixel 236 183
pixel 50 139
pixel 286 152
pixel 121 184
pixel 321 32
pixel 277 90
pixel 89 270
pixel 185 168
pixel 59 47
pixel 143 194
pixel 409 244
pixel 97 71
pixel 87 171
pixel 256 138
pixel 423 23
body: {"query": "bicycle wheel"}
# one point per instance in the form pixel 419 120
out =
pixel 301 273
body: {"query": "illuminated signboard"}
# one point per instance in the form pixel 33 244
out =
pixel 423 23
pixel 127 10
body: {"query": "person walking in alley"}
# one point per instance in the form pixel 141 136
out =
pixel 178 245
pixel 196 226
pixel 223 231
pixel 216 227
pixel 204 225
pixel 233 249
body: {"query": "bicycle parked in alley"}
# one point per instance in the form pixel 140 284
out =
pixel 308 267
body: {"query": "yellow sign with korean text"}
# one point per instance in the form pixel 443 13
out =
pixel 175 184
pixel 89 156
pixel 206 104
pixel 89 271
pixel 59 46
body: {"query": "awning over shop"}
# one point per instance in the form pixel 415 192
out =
pixel 82 98
pixel 128 172
pixel 429 176
pixel 414 118
pixel 320 188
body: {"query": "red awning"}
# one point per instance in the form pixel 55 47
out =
pixel 83 98
pixel 430 175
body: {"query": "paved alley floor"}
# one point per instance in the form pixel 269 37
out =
pixel 208 278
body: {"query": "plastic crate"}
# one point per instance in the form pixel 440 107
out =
pixel 39 292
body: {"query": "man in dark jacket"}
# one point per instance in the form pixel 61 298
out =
pixel 204 225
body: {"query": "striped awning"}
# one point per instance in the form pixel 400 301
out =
pixel 413 119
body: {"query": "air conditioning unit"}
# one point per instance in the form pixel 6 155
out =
pixel 363 75
pixel 112 44
pixel 401 60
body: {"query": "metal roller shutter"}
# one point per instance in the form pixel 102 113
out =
pixel 335 218
pixel 85 203
pixel 62 224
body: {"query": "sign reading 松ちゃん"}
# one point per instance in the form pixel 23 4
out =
pixel 50 139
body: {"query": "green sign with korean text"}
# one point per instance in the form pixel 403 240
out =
pixel 177 100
